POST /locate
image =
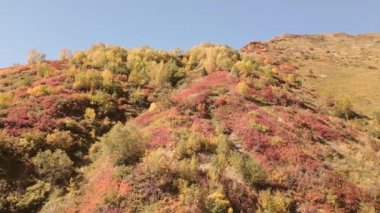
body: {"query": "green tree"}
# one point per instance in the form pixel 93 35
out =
pixel 60 139
pixel 53 166
pixel 125 142
pixel 88 80
pixel 34 195
pixel 273 202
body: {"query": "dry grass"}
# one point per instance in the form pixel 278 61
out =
pixel 342 66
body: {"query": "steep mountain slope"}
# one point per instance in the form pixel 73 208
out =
pixel 333 64
pixel 211 130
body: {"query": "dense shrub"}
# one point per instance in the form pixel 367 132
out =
pixel 41 90
pixel 27 81
pixel 88 80
pixel 159 75
pixel 244 68
pixel 217 202
pixel 188 169
pixel 139 74
pixel 251 171
pixel 125 142
pixel 44 70
pixel 165 74
pixel 157 161
pixel 273 202
pixel 78 59
pixel 197 54
pixel 34 195
pixel 267 78
pixel 31 142
pixel 243 89
pixel 189 144
pixel 53 166
pixel 343 108
pixel 223 151
pixel 138 97
pixel 191 196
pixel 110 83
pixel 60 139
pixel 146 63
pixel 105 103
pixel 6 99
pixel 107 57
pixel 213 57
pixel 89 115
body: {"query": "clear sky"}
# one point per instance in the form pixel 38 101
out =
pixel 50 25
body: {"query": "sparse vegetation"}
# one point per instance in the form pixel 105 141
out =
pixel 343 108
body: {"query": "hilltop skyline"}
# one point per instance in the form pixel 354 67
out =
pixel 52 26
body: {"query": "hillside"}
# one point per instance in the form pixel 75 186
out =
pixel 213 129
pixel 333 65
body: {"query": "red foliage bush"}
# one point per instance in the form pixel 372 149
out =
pixel 23 119
pixel 101 183
pixel 317 125
pixel 160 137
pixel 348 194
pixel 286 68
pixel 59 65
pixel 121 77
pixel 51 81
pixel 200 90
pixel 268 94
pixel 220 101
pixel 73 105
pixel 203 126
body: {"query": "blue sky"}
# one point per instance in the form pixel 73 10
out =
pixel 51 25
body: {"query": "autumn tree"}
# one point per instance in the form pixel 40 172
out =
pixel 35 57
pixel 65 54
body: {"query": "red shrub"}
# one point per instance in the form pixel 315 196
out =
pixel 203 126
pixel 160 137
pixel 23 119
pixel 220 101
pixel 122 77
pixel 317 125
pixel 59 65
pixel 51 81
pixel 268 94
pixel 200 90
pixel 286 68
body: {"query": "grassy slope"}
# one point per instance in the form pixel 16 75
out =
pixel 343 65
